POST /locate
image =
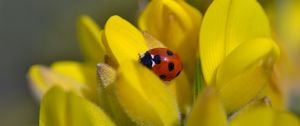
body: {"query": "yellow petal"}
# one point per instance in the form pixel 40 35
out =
pixel 42 78
pixel 123 41
pixel 289 26
pixel 108 100
pixel 275 92
pixel 144 96
pixel 208 110
pixel 286 119
pixel 254 104
pixel 227 24
pixel 90 40
pixel 60 108
pixel 152 42
pixel 74 70
pixel 247 54
pixel 176 24
pixel 82 73
pixel 245 72
pixel 264 116
pixel 180 86
pixel 150 24
pixel 258 116
pixel 160 15
pixel 106 74
pixel 182 89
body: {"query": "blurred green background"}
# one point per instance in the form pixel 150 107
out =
pixel 41 32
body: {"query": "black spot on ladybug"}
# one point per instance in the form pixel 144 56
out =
pixel 162 76
pixel 178 73
pixel 146 60
pixel 171 66
pixel 156 59
pixel 170 53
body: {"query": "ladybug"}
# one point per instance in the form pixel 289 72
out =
pixel 163 62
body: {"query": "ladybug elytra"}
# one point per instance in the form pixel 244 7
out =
pixel 163 62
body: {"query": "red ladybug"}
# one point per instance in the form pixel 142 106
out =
pixel 163 62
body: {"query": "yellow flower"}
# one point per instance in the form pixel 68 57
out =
pixel 236 50
pixel 237 56
pixel 143 99
pixel 69 75
pixel 176 24
pixel 127 92
pixel 209 111
pixel 72 75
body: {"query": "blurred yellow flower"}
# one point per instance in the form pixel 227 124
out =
pixel 237 55
pixel 72 75
pixel 61 108
pixel 288 29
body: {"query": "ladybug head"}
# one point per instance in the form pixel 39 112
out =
pixel 146 59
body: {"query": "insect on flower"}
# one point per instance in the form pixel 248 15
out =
pixel 163 62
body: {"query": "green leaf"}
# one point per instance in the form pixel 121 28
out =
pixel 199 81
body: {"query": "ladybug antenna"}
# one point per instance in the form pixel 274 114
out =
pixel 141 55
